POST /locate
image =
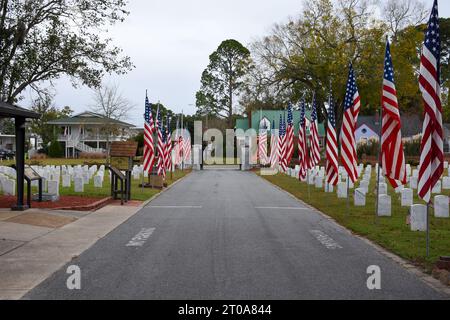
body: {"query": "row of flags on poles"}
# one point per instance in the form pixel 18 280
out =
pixel 392 156
pixel 160 154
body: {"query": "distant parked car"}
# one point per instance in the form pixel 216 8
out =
pixel 6 154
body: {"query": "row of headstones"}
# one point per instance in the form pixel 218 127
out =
pixel 316 177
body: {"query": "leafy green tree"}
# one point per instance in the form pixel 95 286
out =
pixel 41 40
pixel 223 79
pixel 44 106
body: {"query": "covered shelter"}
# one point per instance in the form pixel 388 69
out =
pixel 20 115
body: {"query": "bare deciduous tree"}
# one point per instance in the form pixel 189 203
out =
pixel 110 103
pixel 401 13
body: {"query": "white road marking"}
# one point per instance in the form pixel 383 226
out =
pixel 282 208
pixel 325 239
pixel 175 207
pixel 140 239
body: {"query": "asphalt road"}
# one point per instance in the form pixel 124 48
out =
pixel 222 234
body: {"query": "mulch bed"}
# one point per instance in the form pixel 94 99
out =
pixel 71 202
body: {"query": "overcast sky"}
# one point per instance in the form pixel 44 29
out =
pixel 169 41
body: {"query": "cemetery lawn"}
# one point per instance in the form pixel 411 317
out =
pixel 56 162
pixel 392 233
pixel 137 193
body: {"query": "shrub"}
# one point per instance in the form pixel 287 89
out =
pixel 38 156
pixel 55 150
pixel 92 155
pixel 412 148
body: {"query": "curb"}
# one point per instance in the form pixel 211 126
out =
pixel 424 277
pixel 89 207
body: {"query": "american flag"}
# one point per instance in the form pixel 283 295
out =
pixel 149 129
pixel 332 168
pixel 169 147
pixel 392 155
pixel 302 148
pixel 273 147
pixel 262 150
pixel 186 145
pixel 282 145
pixel 352 104
pixel 176 145
pixel 432 148
pixel 289 136
pixel 314 136
pixel 161 144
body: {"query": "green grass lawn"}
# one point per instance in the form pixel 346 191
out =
pixel 391 233
pixel 137 193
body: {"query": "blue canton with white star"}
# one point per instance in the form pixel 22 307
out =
pixel 289 119
pixel 350 90
pixel 388 68
pixel 302 113
pixel 432 38
pixel 331 115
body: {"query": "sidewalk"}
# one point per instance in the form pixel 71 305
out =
pixel 36 243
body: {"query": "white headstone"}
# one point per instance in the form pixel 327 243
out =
pixel 78 184
pixel 360 197
pixel 98 181
pixel 441 206
pixel 446 183
pixel 407 197
pixel 383 188
pixel 413 183
pixel 342 190
pixel 437 188
pixel 329 188
pixel 384 205
pixel 319 182
pixel 364 185
pixel 66 179
pixel 418 217
pixel 53 187
pixel 415 173
pixel 9 187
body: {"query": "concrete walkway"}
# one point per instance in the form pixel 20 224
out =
pixel 30 254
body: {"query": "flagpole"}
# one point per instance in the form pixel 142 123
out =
pixel 428 228
pixel 348 195
pixel 379 154
pixel 379 166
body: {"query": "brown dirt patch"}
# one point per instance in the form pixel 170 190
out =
pixel 64 201
pixel 41 219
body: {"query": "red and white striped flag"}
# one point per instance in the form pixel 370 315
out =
pixel 332 167
pixel 262 150
pixel 314 137
pixel 273 147
pixel 352 105
pixel 302 147
pixel 187 145
pixel 432 147
pixel 149 129
pixel 161 145
pixel 168 147
pixel 392 155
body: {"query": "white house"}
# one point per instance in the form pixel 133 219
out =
pixel 8 142
pixel 89 132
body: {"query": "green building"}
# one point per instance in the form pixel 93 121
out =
pixel 259 118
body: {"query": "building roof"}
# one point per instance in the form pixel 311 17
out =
pixel 411 124
pixel 8 110
pixel 88 118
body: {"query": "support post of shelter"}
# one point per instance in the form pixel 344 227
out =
pixel 20 163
